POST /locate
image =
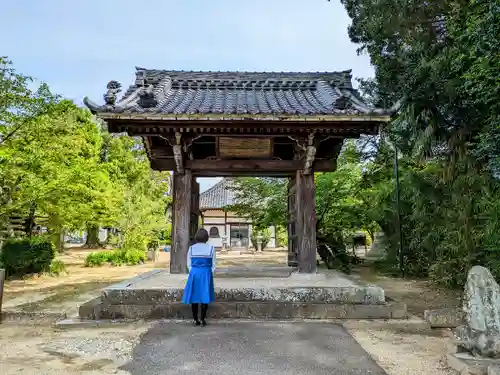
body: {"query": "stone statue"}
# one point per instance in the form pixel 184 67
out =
pixel 114 87
pixel 480 334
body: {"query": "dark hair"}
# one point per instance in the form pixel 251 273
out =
pixel 201 236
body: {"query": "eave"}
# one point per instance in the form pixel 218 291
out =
pixel 107 116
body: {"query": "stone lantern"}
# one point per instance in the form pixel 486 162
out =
pixel 259 242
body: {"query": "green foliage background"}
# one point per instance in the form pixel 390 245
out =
pixel 59 160
pixel 437 59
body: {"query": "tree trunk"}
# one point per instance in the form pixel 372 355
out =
pixel 92 237
pixel 29 223
pixel 57 236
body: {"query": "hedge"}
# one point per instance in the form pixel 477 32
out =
pixel 24 256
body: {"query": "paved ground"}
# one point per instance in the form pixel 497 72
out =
pixel 246 348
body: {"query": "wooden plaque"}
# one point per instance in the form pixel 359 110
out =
pixel 239 147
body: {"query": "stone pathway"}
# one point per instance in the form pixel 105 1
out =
pixel 246 348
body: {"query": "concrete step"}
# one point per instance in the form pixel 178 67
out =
pixel 97 310
pixel 410 325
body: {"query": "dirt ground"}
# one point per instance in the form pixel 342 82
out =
pixel 80 284
pixel 406 354
pixel 419 295
pixel 27 348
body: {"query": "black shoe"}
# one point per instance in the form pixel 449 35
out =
pixel 203 323
pixel 197 322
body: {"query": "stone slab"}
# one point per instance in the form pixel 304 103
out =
pixel 466 364
pixel 248 310
pixel 444 318
pixel 251 348
pixel 264 294
pixel 161 287
pixel 494 370
pixel 90 309
pixel 242 277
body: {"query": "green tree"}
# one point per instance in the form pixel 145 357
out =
pixel 60 162
pixel 440 58
pixel 263 200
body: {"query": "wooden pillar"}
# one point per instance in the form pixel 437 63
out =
pixel 291 227
pixel 195 209
pixel 2 282
pixel 305 209
pixel 181 221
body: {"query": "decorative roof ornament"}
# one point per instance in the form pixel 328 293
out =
pixel 114 87
pixel 342 103
pixel 147 97
pixel 140 77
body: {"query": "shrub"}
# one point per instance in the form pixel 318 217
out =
pixel 115 258
pixel 282 236
pixel 98 258
pixel 27 255
pixel 133 257
pixel 57 267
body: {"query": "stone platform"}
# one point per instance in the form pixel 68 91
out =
pixel 247 293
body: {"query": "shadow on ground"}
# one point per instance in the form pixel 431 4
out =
pixel 246 348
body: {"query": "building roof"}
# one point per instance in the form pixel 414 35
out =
pixel 218 196
pixel 167 92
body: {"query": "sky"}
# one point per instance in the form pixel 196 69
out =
pixel 77 47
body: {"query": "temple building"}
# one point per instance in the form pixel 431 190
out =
pixel 227 124
pixel 227 230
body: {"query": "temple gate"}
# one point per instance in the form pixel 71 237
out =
pixel 222 124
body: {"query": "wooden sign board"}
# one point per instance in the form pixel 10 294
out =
pixel 239 147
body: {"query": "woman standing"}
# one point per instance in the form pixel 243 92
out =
pixel 199 288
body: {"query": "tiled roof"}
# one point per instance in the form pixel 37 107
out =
pixel 188 92
pixel 218 196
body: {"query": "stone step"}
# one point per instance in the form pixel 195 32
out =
pixel 329 295
pixel 97 310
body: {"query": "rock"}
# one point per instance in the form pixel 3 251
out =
pixel 444 318
pixel 494 370
pixel 480 333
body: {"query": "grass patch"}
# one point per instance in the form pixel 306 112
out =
pixel 115 258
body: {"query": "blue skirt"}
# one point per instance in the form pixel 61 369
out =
pixel 200 283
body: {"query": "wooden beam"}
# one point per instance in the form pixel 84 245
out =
pixel 256 166
pixel 163 164
pixel 181 221
pixel 306 222
pixel 228 128
pixel 228 168
pixel 310 153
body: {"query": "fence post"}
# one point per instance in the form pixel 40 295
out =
pixel 2 279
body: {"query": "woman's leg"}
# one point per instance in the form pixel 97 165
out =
pixel 204 309
pixel 194 309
